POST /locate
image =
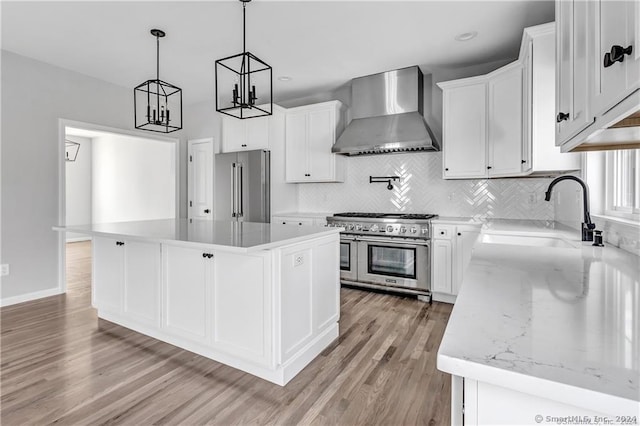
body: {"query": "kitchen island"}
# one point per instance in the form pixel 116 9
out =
pixel 259 297
pixel 545 327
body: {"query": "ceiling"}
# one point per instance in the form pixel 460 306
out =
pixel 321 45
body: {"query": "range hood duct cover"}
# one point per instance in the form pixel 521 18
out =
pixel 387 115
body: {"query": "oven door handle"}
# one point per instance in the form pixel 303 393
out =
pixel 385 241
pixel 349 239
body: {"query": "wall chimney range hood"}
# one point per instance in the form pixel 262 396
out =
pixel 387 114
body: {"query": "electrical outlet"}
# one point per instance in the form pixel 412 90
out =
pixel 298 260
pixel 4 269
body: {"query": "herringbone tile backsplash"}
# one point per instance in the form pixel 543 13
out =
pixel 421 189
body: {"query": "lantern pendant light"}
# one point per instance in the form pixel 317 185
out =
pixel 157 105
pixel 244 85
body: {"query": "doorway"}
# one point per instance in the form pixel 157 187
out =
pixel 111 175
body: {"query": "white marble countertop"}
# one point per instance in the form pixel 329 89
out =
pixel 560 323
pixel 239 237
pixel 304 214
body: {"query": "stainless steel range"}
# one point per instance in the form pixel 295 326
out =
pixel 386 251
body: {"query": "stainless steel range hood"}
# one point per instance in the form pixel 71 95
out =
pixel 387 115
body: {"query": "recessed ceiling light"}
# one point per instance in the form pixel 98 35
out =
pixel 285 78
pixel 466 36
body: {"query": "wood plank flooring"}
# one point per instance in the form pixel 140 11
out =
pixel 61 365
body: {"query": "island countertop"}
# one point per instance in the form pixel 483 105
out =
pixel 238 237
pixel 559 323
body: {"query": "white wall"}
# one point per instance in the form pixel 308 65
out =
pixel 78 187
pixel 35 95
pixel 133 179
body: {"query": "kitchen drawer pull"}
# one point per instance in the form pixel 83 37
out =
pixel 207 255
pixel 616 55
pixel 562 116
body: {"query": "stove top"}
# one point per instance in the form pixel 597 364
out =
pixel 403 225
pixel 401 216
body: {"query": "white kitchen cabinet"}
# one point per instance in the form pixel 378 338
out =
pixel 594 92
pixel 516 102
pixel 442 266
pixel 242 309
pixel 244 135
pixel 540 153
pixel 572 69
pixel 311 132
pixel 188 282
pixel 308 219
pixel 452 246
pixel 126 277
pixel 464 129
pixel 615 23
pixel 505 121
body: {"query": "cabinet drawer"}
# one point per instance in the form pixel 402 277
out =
pixel 443 232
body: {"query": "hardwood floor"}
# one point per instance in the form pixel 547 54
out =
pixel 61 365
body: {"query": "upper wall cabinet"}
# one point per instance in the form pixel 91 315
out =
pixel 598 72
pixel 502 124
pixel 311 131
pixel 244 135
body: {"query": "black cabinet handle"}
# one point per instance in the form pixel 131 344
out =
pixel 616 55
pixel 307 174
pixel 300 223
pixel 459 234
pixel 207 210
pixel 523 161
pixel 441 232
pixel 207 255
pixel 488 167
pixel 284 223
pixel 119 243
pixel 562 116
pixel 446 170
pixel 244 145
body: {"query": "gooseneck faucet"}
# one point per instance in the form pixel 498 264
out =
pixel 587 225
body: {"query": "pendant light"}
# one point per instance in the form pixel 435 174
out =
pixel 243 82
pixel 157 105
pixel 71 150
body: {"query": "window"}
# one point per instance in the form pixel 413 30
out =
pixel 623 183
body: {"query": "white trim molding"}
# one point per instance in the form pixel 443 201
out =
pixel 21 298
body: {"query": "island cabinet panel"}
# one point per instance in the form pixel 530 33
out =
pixel 297 313
pixel 126 278
pixel 108 269
pixel 142 270
pixel 242 306
pixel 309 287
pixel 188 276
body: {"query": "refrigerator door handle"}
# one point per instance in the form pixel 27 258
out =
pixel 233 190
pixel 240 192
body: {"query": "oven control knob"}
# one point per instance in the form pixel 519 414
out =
pixel 374 228
pixel 350 227
pixel 403 229
pixel 358 227
pixel 413 230
pixel 425 231
pixel 389 228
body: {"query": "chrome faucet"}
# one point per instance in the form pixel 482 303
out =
pixel 587 225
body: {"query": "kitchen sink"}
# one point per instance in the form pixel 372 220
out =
pixel 528 240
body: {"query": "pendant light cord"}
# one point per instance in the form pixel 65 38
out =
pixel 158 57
pixel 244 27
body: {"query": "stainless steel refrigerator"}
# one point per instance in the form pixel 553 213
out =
pixel 242 186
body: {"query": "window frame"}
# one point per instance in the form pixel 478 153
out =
pixel 613 176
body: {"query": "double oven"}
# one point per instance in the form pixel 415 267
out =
pixel 389 251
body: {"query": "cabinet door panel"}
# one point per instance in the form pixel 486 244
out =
pixel 187 292
pixel 234 134
pixel 108 272
pixel 241 321
pixel 296 147
pixel 572 68
pixel 320 133
pixel 326 279
pixel 257 133
pixel 442 266
pixel 505 123
pixel 142 281
pixel 465 131
pixel 297 315
pixel 465 241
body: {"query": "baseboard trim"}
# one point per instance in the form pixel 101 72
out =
pixel 78 239
pixel 21 298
